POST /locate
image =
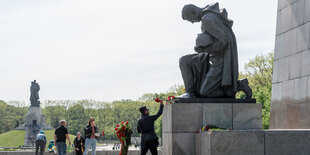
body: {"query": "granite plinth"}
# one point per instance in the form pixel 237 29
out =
pixel 34 122
pixel 189 117
pixel 214 100
pixel 178 143
pixel 182 120
pixel 253 142
pixel 232 143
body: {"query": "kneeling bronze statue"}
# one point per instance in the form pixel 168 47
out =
pixel 213 71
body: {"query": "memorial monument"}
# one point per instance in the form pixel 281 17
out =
pixel 211 82
pixel 213 71
pixel 34 121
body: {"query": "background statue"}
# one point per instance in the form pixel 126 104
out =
pixel 34 97
pixel 213 71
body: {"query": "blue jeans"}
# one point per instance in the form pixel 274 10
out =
pixel 61 148
pixel 90 142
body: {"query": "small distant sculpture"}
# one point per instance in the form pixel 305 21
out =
pixel 213 71
pixel 34 97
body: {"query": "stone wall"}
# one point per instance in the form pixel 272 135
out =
pixel 290 101
pixel 253 142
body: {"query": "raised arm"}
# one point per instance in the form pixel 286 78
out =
pixel 160 111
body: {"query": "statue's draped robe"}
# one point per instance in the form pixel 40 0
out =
pixel 216 23
pixel 34 96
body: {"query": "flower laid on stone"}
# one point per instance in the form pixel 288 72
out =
pixel 124 133
pixel 169 100
pixel 211 128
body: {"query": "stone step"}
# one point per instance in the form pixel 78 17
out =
pixel 251 142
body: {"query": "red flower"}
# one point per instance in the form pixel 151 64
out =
pixel 170 97
pixel 117 125
pixel 116 129
pixel 102 133
pixel 122 122
pixel 126 122
pixel 207 127
pixel 229 129
pixel 157 100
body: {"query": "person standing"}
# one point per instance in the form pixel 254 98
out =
pixel 91 134
pixel 149 139
pixel 79 144
pixel 61 134
pixel 40 142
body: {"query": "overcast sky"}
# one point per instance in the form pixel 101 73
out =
pixel 111 49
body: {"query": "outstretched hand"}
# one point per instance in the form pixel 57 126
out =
pixel 198 49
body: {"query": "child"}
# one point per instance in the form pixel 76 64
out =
pixel 52 147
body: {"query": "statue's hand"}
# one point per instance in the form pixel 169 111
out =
pixel 198 49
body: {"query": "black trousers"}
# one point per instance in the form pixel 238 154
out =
pixel 153 151
pixel 40 144
pixel 79 152
pixel 151 145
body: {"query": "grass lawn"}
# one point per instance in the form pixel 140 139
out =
pixel 15 138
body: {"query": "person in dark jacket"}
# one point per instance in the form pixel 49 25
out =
pixel 79 144
pixel 40 142
pixel 149 139
pixel 91 134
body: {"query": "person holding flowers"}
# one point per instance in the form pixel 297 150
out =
pixel 91 134
pixel 149 139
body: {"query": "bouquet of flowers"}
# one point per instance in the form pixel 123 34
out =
pixel 124 133
pixel 169 100
pixel 211 128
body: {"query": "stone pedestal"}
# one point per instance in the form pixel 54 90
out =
pixel 182 120
pixel 253 142
pixel 34 122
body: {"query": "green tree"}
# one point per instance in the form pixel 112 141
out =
pixel 77 119
pixel 259 73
